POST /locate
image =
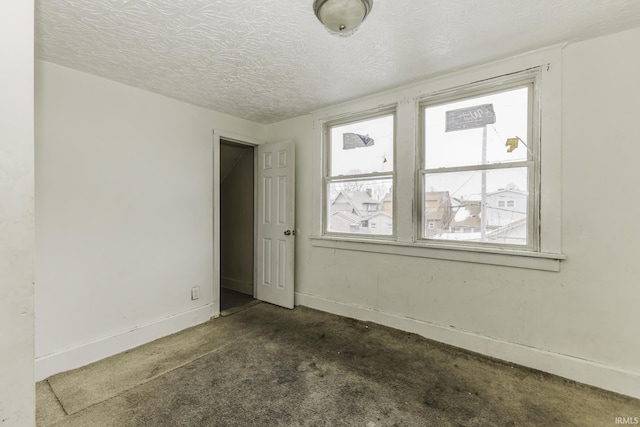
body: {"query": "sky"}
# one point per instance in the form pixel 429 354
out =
pixel 364 159
pixel 446 149
pixel 464 147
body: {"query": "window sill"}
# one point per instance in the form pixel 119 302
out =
pixel 491 256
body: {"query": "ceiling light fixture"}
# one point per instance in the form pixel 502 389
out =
pixel 342 17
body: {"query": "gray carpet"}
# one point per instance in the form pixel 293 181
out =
pixel 78 389
pixel 233 301
pixel 267 366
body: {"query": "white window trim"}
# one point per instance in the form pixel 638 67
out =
pixel 529 77
pixel 407 100
pixel 491 256
pixel 325 142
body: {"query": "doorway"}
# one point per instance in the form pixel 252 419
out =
pixel 236 226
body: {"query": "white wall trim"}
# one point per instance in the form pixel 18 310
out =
pixel 573 368
pixel 82 355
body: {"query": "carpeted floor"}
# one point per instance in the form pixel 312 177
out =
pixel 267 366
pixel 231 301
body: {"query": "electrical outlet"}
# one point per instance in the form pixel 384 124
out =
pixel 195 293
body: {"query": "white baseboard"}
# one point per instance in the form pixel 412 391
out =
pixel 76 357
pixel 573 368
pixel 236 285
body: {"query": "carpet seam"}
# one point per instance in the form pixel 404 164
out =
pixel 57 398
pixel 150 379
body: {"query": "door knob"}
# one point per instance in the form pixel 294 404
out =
pixel 290 233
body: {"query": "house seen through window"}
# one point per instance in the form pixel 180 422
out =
pixel 359 176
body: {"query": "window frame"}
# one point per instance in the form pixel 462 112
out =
pixel 547 65
pixel 526 78
pixel 328 179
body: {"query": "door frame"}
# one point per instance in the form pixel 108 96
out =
pixel 219 134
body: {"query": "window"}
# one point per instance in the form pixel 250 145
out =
pixel 484 189
pixel 478 168
pixel 359 175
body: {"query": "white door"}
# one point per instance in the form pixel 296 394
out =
pixel 276 223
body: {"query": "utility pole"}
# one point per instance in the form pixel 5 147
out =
pixel 483 202
pixel 479 116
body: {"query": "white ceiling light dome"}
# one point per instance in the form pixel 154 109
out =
pixel 342 17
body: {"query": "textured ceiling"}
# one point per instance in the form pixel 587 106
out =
pixel 269 60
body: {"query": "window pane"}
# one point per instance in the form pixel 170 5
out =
pixel 362 147
pixel 454 131
pixel 364 207
pixel 453 208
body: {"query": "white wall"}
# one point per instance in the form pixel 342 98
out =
pixel 124 214
pixel 17 391
pixel 581 322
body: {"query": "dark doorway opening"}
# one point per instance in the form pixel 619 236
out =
pixel 236 225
